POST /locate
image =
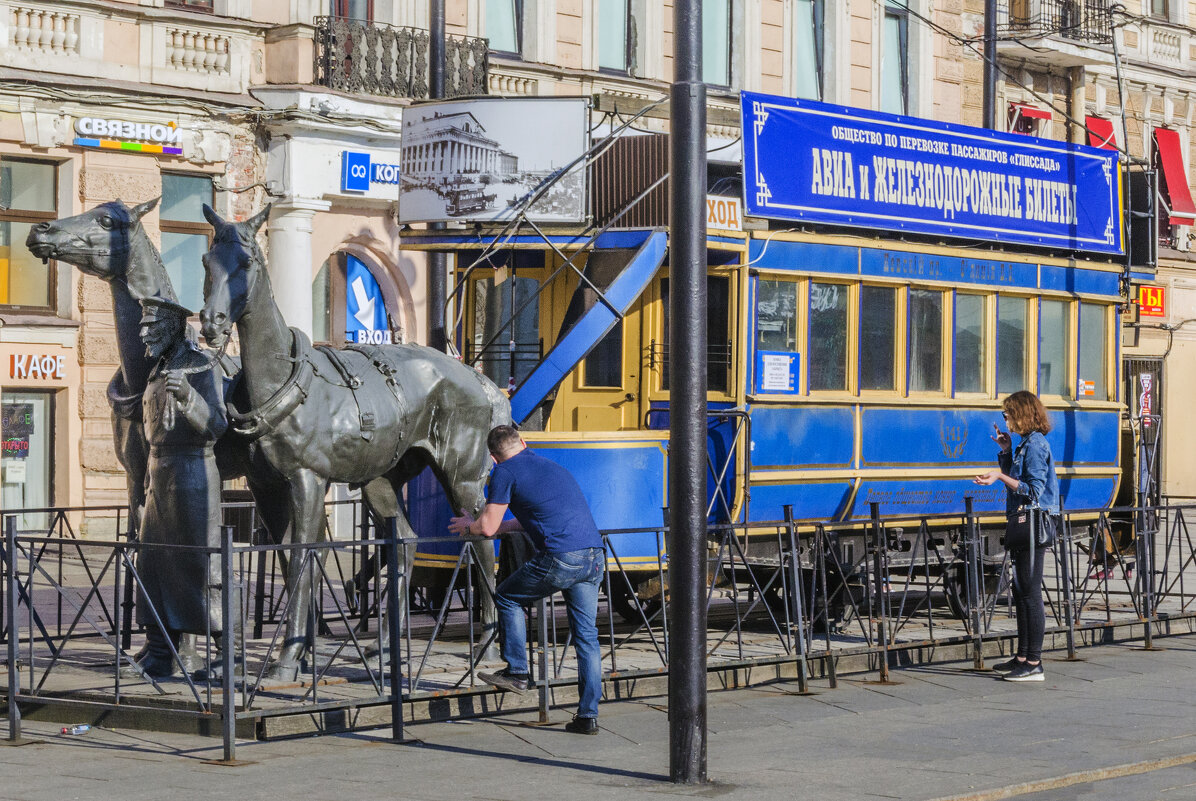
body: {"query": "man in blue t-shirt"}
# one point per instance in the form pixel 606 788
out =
pixel 547 503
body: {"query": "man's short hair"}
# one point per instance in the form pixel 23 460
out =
pixel 502 439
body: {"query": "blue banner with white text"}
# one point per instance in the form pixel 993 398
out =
pixel 821 163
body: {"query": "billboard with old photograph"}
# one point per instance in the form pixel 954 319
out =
pixel 484 160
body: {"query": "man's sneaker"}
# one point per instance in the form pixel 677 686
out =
pixel 506 680
pixel 1005 667
pixel 582 726
pixel 1026 672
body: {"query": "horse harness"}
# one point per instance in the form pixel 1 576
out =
pixel 258 422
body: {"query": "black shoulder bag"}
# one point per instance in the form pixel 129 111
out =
pixel 1029 524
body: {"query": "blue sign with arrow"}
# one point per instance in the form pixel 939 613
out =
pixel 365 308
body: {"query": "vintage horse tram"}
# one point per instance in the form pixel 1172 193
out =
pixel 857 356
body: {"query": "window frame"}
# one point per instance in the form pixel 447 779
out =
pixel 1106 351
pixel 730 36
pixel 187 227
pixel 628 43
pixel 900 11
pixel 1029 343
pixel 209 6
pixel 340 10
pixel 850 335
pixel 1165 14
pixel 34 217
pixel 519 10
pixel 945 343
pixel 986 346
pixel 819 21
pixel 899 346
pixel 1070 366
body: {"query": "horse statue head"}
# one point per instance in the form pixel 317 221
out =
pixel 234 267
pixel 109 243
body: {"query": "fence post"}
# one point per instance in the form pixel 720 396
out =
pixel 228 711
pixel 1144 545
pixel 545 681
pixel 1064 559
pixel 127 597
pixel 10 600
pixel 118 592
pixel 821 546
pixel 803 668
pixel 879 577
pixel 974 572
pixel 393 628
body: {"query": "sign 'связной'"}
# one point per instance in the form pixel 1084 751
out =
pixel 821 163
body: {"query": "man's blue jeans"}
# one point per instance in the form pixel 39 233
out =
pixel 576 574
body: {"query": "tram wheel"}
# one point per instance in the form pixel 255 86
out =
pixel 627 604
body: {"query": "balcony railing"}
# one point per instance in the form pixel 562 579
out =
pixel 1083 21
pixel 376 59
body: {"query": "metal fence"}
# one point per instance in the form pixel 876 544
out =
pixel 784 600
pixel 1088 21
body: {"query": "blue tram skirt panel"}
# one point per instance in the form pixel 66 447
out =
pixel 623 477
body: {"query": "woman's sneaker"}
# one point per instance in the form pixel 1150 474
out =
pixel 1005 667
pixel 1026 672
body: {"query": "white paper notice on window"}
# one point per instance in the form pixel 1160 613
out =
pixel 776 376
pixel 14 471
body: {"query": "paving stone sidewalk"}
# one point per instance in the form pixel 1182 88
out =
pixel 1118 725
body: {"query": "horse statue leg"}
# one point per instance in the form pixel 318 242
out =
pixel 304 494
pixel 468 496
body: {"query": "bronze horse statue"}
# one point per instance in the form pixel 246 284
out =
pixel 110 243
pixel 364 415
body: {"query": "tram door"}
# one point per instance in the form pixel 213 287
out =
pixel 604 391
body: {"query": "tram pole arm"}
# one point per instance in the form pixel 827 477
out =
pixel 489 524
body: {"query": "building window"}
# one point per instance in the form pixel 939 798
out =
pixel 1053 344
pixel 716 42
pixel 321 303
pixel 807 48
pixel 614 35
pixel 1011 344
pixel 604 364
pixel 1093 378
pixel 878 338
pixel 191 5
pixel 362 10
pixel 1160 9
pixel 828 337
pixel 28 195
pixel 894 58
pixel 925 340
pixel 185 233
pixel 718 326
pixel 969 355
pixel 504 25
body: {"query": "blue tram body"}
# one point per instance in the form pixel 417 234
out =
pixel 844 370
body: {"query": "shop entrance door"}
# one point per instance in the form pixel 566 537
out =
pixel 26 455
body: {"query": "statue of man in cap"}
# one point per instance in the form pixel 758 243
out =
pixel 184 414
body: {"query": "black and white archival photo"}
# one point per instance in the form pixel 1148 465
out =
pixel 483 160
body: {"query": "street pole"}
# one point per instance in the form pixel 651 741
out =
pixel 687 400
pixel 990 64
pixel 437 261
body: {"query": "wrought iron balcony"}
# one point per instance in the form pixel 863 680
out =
pixel 376 59
pixel 1079 21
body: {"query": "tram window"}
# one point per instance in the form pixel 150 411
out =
pixel 1053 345
pixel 1011 344
pixel 1093 340
pixel 828 337
pixel 604 364
pixel 776 315
pixel 878 337
pixel 490 347
pixel 718 347
pixel 970 347
pixel 925 340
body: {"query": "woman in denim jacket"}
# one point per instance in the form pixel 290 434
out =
pixel 1028 474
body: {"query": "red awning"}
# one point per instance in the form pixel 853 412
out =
pixel 1100 132
pixel 1171 157
pixel 1032 112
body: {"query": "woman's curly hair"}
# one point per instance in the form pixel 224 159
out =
pixel 1026 413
